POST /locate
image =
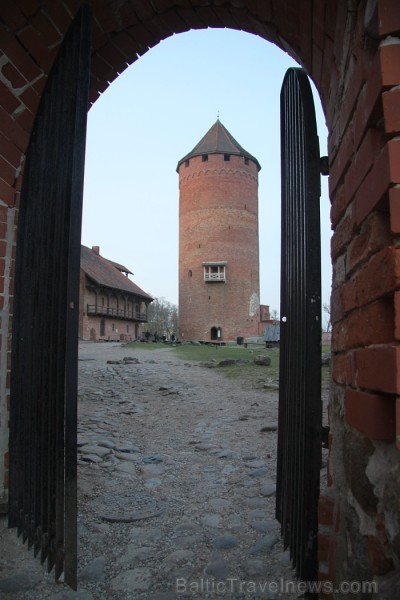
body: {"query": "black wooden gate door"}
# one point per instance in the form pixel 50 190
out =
pixel 300 407
pixel 43 407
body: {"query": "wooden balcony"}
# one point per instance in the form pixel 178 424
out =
pixel 115 313
pixel 214 276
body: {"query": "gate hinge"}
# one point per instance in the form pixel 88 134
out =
pixel 325 436
pixel 324 165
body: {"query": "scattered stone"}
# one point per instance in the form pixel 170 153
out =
pixel 254 502
pixel 228 469
pixel 186 528
pixel 71 595
pixel 128 508
pixel 210 520
pixel 187 541
pixel 255 463
pixel 204 446
pixel 127 447
pixel 228 362
pixel 91 458
pixel 134 580
pixel 264 526
pixel 254 568
pixel 259 472
pixel 126 467
pixel 178 558
pixel 216 567
pixel 262 360
pixel 152 483
pixel 20 582
pixel 94 571
pixel 268 489
pixel 127 456
pixel 269 427
pixel 153 459
pixel 106 444
pixel 97 450
pixel 224 453
pixel 225 542
pixel 131 360
pixel 150 471
pixel 220 505
pixel 145 536
pixel 264 544
pixel 134 555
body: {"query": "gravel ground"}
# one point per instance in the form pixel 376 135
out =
pixel 177 469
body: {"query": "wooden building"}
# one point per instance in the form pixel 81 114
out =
pixel 111 306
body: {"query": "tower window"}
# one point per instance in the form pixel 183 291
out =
pixel 187 163
pixel 190 273
pixel 246 161
pixel 227 157
pixel 204 157
pixel 214 272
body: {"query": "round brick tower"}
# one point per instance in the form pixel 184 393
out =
pixel 219 285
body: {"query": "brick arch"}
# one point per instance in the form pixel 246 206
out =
pixel 351 50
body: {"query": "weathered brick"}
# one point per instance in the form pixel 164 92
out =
pixel 389 57
pixel 342 368
pixel 386 171
pixel 378 369
pixel 13 76
pixel 371 414
pixel 325 511
pixel 375 234
pixel 389 16
pixel 370 325
pixel 391 111
pixel 379 562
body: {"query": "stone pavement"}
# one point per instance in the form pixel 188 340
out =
pixel 176 486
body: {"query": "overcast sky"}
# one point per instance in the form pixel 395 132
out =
pixel 155 113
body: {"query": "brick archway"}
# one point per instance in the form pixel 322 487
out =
pixel 351 50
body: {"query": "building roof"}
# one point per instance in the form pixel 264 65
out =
pixel 105 273
pixel 120 267
pixel 218 140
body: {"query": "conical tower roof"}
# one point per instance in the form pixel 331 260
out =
pixel 218 140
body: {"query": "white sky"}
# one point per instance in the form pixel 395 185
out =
pixel 155 113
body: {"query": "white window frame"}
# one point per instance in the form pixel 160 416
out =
pixel 214 271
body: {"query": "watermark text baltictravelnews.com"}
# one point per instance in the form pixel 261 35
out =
pixel 284 586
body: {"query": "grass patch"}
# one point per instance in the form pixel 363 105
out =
pixel 248 373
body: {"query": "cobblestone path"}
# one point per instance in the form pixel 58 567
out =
pixel 176 487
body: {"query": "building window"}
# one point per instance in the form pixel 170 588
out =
pixel 113 326
pixel 127 329
pixel 190 273
pixel 214 272
pixel 204 157
pixel 246 161
pixel 102 327
pixel 227 157
pixel 186 163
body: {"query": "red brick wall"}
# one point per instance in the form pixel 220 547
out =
pixel 218 221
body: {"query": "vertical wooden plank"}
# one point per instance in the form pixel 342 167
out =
pixel 300 407
pixel 43 412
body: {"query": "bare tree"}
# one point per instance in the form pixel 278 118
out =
pixel 274 315
pixel 327 322
pixel 162 317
